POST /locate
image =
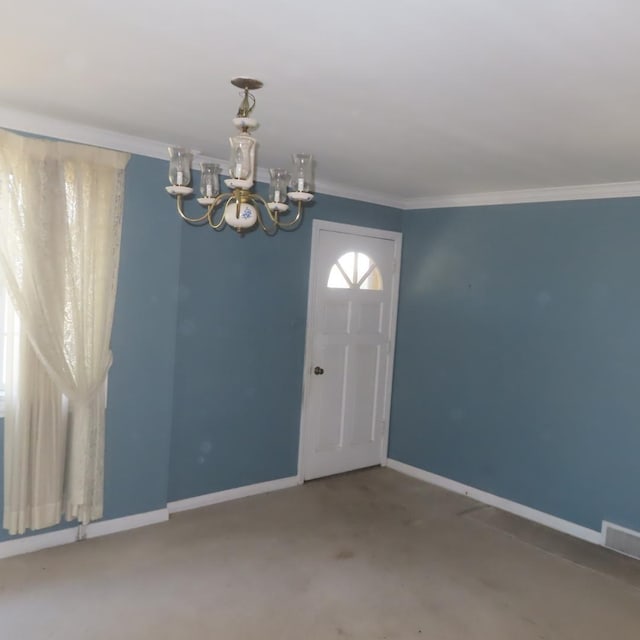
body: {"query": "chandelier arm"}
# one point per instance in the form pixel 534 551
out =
pixel 260 222
pixel 257 200
pixel 185 217
pixel 270 231
pixel 295 221
pixel 217 226
pixel 278 223
pixel 223 197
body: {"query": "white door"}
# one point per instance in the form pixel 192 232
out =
pixel 353 297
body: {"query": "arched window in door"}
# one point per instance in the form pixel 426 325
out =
pixel 355 270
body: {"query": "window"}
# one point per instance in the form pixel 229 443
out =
pixel 61 262
pixel 3 346
pixel 355 270
pixel 9 327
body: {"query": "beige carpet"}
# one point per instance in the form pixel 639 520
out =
pixel 583 553
pixel 366 555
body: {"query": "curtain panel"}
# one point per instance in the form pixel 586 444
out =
pixel 60 222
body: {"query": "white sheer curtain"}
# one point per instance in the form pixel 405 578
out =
pixel 60 222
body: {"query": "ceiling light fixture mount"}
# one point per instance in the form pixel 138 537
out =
pixel 241 204
pixel 250 84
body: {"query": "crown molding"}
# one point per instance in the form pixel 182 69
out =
pixel 522 196
pixel 65 130
pixel 42 125
pixel 73 132
pixel 373 197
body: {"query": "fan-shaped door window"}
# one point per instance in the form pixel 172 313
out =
pixel 355 270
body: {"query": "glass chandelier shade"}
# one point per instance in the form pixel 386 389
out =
pixel 180 166
pixel 243 149
pixel 241 206
pixel 278 185
pixel 210 180
pixel 302 172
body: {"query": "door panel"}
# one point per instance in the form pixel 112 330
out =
pixel 350 338
pixel 363 389
pixel 332 386
pixel 370 318
pixel 336 317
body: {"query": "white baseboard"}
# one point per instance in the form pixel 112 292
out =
pixel 106 527
pixel 37 542
pixel 232 494
pixel 67 536
pixel 546 519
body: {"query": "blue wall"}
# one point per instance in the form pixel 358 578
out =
pixel 138 428
pixel 518 354
pixel 143 344
pixel 224 318
pixel 240 350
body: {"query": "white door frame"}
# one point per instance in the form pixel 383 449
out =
pixel 396 237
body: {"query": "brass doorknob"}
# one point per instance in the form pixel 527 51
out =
pixel 318 371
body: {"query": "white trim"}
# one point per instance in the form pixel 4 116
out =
pixel 100 528
pixel 369 232
pixel 232 494
pixel 311 296
pixel 28 544
pixel 338 227
pixel 546 519
pixel 548 194
pixel 64 130
pixel 36 543
pixel 362 195
pixel 116 525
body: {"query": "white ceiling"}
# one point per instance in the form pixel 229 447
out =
pixel 399 101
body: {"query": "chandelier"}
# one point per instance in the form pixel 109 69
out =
pixel 240 206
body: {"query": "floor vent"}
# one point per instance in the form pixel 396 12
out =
pixel 623 540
